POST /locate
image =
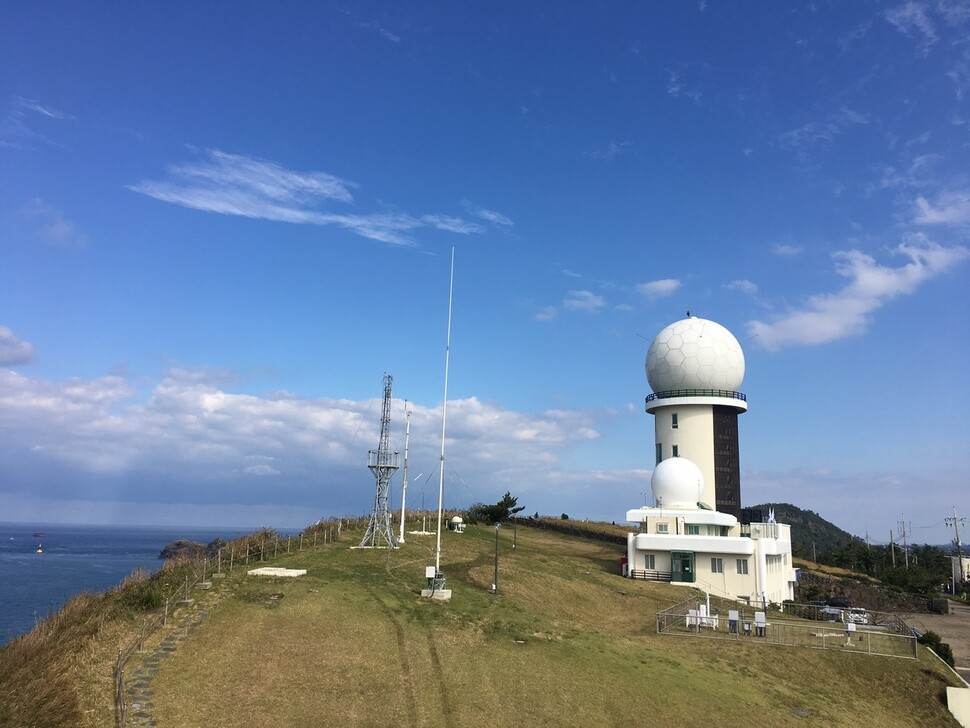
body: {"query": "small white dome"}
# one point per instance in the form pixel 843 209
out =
pixel 457 519
pixel 695 353
pixel 677 483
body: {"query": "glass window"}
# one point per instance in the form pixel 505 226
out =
pixel 717 565
pixel 649 561
pixel 676 451
pixel 660 452
pixel 693 529
pixel 661 528
pixel 673 421
pixel 742 566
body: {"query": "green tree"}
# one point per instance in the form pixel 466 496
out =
pixel 495 513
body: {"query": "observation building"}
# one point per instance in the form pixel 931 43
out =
pixel 693 534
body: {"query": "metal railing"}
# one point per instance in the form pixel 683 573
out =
pixel 724 393
pixel 650 575
pixel 725 619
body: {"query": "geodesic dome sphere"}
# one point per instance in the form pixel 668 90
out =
pixel 677 483
pixel 695 354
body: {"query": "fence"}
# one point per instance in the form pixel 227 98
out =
pixel 724 619
pixel 257 548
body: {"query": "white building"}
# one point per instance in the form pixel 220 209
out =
pixel 681 541
pixel 693 534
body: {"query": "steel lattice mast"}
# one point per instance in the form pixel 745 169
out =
pixel 382 462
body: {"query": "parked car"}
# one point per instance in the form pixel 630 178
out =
pixel 858 615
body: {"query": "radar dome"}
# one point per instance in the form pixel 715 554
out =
pixel 695 354
pixel 677 483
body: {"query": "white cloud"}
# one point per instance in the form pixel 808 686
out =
pixel 452 224
pixel 13 349
pixel 232 184
pixel 496 218
pixel 195 442
pixel 608 153
pixel 52 227
pixel 951 208
pixel 910 19
pixel 18 128
pixel 787 250
pixel 546 314
pixel 742 286
pixel 822 133
pixel 658 289
pixel 583 301
pixel 827 317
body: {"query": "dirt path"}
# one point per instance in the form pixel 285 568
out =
pixel 953 628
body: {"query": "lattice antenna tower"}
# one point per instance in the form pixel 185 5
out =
pixel 382 462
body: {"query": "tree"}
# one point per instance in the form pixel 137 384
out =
pixel 496 513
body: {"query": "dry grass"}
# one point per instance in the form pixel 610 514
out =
pixel 565 642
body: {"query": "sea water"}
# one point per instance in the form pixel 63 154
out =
pixel 76 559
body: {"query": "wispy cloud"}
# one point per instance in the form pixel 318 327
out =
pixel 822 133
pixel 951 208
pixel 658 289
pixel 50 225
pixel 495 218
pixel 828 317
pixel 18 128
pixel 583 301
pixel 742 286
pixel 911 19
pixel 232 184
pixel 677 86
pixel 788 250
pixel 13 349
pixel 546 314
pixel 608 153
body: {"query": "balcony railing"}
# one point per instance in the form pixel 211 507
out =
pixel 724 393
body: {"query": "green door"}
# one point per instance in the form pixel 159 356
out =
pixel 682 566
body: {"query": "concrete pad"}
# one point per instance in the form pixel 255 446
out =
pixel 441 595
pixel 276 571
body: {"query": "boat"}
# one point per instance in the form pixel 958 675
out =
pixel 39 534
pixel 40 548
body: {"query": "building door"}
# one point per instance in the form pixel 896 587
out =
pixel 682 566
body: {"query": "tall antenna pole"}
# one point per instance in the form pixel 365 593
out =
pixel 404 487
pixel 444 417
pixel 382 462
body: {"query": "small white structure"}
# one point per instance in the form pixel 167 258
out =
pixel 684 542
pixel 276 571
pixel 457 524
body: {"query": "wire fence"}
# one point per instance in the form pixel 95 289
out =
pixel 247 551
pixel 799 625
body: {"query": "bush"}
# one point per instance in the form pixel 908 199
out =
pixel 932 640
pixel 564 516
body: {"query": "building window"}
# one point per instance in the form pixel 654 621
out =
pixel 673 421
pixel 676 451
pixel 649 561
pixel 660 453
pixel 742 566
pixel 661 528
pixel 693 529
pixel 717 565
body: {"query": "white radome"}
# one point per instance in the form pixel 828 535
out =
pixel 677 483
pixel 695 353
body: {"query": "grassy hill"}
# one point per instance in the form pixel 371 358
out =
pixel 565 642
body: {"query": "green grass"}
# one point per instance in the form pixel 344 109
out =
pixel 565 642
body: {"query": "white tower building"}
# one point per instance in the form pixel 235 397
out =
pixel 695 368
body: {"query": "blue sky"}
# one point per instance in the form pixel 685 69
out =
pixel 221 223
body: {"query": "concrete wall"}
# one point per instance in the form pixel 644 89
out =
pixel 693 436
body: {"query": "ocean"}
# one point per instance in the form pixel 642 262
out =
pixel 76 559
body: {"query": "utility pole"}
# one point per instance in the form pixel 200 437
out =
pixel 902 530
pixel 955 522
pixel 892 547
